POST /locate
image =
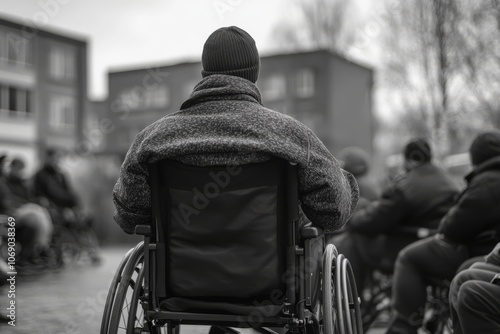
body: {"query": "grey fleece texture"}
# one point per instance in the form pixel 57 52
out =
pixel 224 122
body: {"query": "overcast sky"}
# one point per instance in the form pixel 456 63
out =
pixel 124 33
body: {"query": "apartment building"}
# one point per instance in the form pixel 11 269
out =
pixel 326 92
pixel 43 90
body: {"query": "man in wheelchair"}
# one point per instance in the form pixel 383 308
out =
pixel 222 167
pixel 416 201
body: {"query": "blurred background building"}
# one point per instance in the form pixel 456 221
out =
pixel 44 104
pixel 324 91
pixel 43 90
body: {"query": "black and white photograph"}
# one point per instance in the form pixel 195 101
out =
pixel 250 166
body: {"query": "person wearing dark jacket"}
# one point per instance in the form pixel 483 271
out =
pixel 418 199
pixel 476 211
pixel 33 223
pixel 224 122
pixel 50 183
pixel 475 296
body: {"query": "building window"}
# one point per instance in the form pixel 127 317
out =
pixel 159 97
pixel 62 62
pixel 140 98
pixel 304 81
pixel 14 48
pixel 62 111
pixel 274 87
pixel 130 99
pixel 15 102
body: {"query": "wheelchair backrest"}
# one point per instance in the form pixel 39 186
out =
pixel 222 231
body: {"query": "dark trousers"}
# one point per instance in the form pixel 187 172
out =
pixel 420 264
pixel 474 302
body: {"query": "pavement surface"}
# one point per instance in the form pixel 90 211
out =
pixel 70 300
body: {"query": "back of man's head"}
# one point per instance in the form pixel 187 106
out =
pixel 484 147
pixel 418 151
pixel 231 51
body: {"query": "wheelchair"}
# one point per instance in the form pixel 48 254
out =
pixel 226 249
pixel 436 317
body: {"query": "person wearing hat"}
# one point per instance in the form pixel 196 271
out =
pixel 461 235
pixel 417 199
pixel 224 122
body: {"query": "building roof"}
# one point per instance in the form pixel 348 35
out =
pixel 319 51
pixel 132 68
pixel 30 28
pixel 136 68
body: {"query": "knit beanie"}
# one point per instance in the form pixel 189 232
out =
pixel 484 147
pixel 418 150
pixel 231 51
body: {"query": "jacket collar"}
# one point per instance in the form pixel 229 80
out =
pixel 220 87
pixel 490 164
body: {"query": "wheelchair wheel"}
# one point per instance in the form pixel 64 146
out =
pixel 112 292
pixel 126 315
pixel 341 310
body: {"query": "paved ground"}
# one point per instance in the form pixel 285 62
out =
pixel 67 301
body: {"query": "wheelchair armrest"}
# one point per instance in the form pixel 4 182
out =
pixel 309 231
pixel 144 230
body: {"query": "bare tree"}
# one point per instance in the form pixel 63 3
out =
pixel 481 50
pixel 322 26
pixel 439 60
pixel 421 40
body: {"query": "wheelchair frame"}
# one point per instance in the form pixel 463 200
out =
pixel 310 267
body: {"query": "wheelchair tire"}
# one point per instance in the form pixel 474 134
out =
pixel 348 298
pixel 341 309
pixel 328 289
pixel 112 292
pixel 124 306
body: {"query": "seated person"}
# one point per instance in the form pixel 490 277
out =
pixel 419 198
pixel 53 190
pixel 474 300
pixel 224 123
pixel 33 223
pixel 51 187
pixel 476 210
